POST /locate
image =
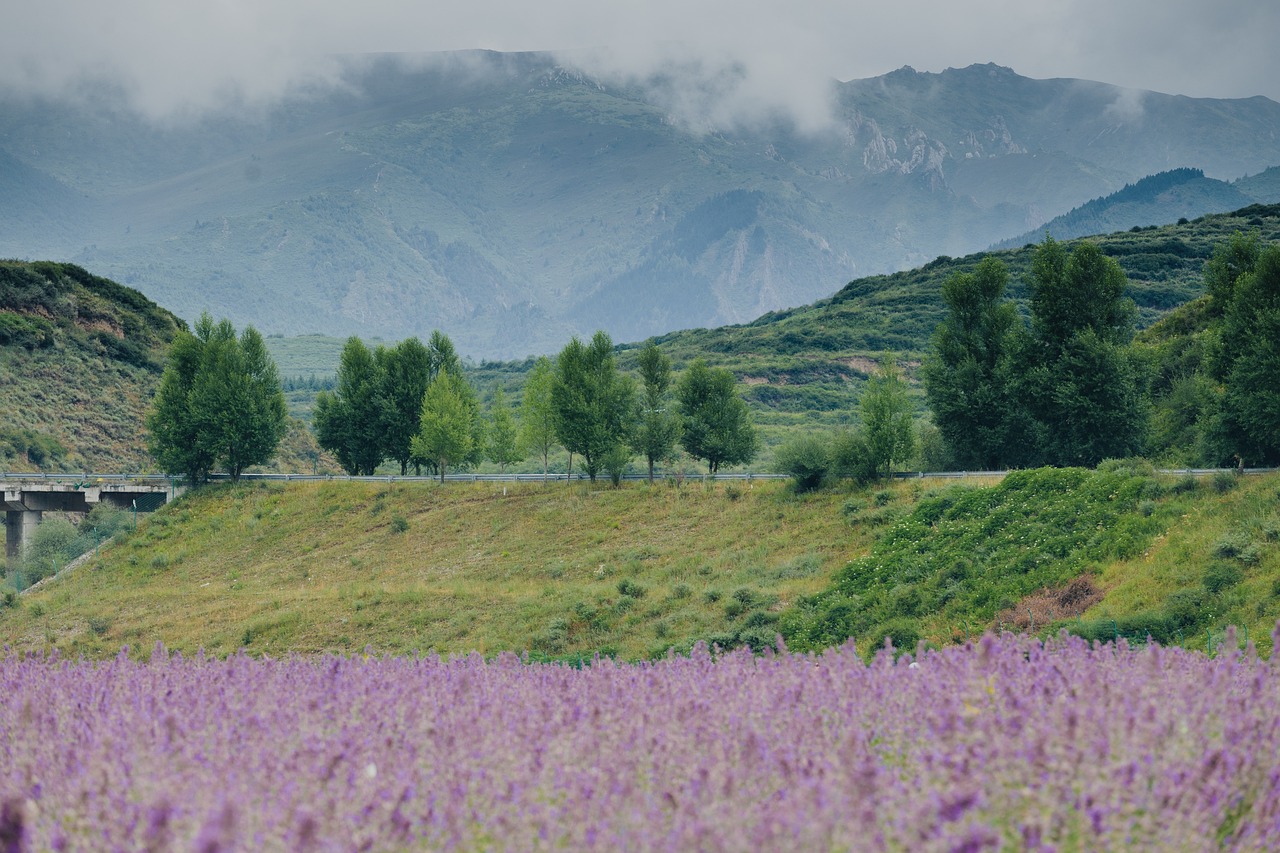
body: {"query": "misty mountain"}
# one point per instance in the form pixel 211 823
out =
pixel 511 202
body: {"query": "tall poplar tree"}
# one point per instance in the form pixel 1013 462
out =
pixel 658 426
pixel 537 413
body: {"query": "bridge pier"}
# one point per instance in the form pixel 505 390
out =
pixel 19 525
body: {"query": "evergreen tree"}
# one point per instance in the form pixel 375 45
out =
pixel 593 403
pixel 219 402
pixel 537 413
pixel 658 429
pixel 886 418
pixel 716 422
pixel 349 422
pixel 502 446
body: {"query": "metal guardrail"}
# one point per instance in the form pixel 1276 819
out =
pixel 90 478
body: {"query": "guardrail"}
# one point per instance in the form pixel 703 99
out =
pixel 90 478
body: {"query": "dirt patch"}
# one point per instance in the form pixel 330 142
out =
pixel 1050 605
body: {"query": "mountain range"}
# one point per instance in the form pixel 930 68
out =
pixel 511 200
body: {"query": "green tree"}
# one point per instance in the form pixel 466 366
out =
pixel 658 428
pixel 219 402
pixel 403 373
pixel 502 447
pixel 968 373
pixel 447 427
pixel 886 418
pixel 537 413
pixel 1247 361
pixel 1077 371
pixel 717 424
pixel 350 421
pixel 593 403
pixel 172 426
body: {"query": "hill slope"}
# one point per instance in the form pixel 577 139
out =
pixel 80 357
pixel 565 571
pixel 511 201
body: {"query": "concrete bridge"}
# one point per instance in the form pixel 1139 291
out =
pixel 26 502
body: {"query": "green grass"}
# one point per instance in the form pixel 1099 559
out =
pixel 558 570
pixel 564 571
pixel 1096 552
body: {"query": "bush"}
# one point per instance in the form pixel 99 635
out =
pixel 1224 481
pixel 1220 576
pixel 631 589
pixel 399 524
pixel 807 459
pixel 851 458
pixel 903 633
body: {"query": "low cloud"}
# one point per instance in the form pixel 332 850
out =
pixel 712 63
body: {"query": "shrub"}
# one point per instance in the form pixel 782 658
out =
pixel 1224 481
pixel 1221 575
pixel 903 633
pixel 631 589
pixel 807 459
pixel 399 524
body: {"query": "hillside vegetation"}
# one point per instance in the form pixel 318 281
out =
pixel 556 570
pixel 80 357
pixel 567 571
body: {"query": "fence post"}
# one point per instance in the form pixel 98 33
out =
pixel 1032 622
pixel 1209 641
pixel 1116 630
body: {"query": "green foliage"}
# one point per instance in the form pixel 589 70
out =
pixel 969 370
pixel 717 423
pixel 1077 372
pixel 966 553
pixel 502 447
pixel 219 402
pixel 537 413
pixel 806 458
pixel 886 418
pixel 38 449
pixel 402 374
pixel 655 434
pixel 450 429
pixel 593 403
pixel 349 422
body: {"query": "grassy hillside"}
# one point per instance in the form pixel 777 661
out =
pixel 1119 550
pixel 566 571
pixel 80 357
pixel 556 570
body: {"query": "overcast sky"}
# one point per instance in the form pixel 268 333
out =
pixel 175 55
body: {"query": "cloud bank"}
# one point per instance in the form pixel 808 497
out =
pixel 722 61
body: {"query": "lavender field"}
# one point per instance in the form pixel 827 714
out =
pixel 1002 744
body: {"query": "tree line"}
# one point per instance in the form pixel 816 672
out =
pixel 1072 384
pixel 412 404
